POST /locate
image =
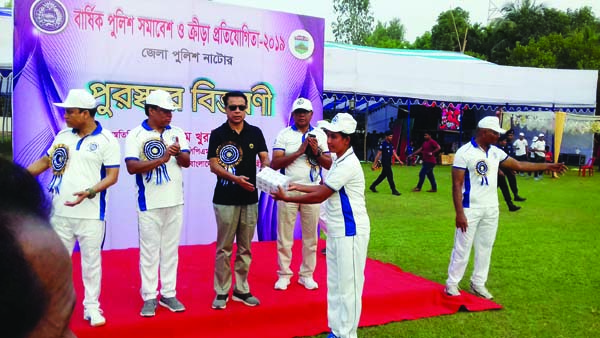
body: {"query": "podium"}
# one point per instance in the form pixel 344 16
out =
pixel 572 159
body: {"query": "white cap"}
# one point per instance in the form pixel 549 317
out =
pixel 534 138
pixel 491 122
pixel 521 134
pixel 302 103
pixel 541 135
pixel 162 99
pixel 78 98
pixel 341 123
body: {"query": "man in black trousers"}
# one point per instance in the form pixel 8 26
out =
pixel 505 143
pixel 386 152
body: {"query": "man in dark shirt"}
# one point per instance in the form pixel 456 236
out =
pixel 386 152
pixel 505 142
pixel 232 152
pixel 429 150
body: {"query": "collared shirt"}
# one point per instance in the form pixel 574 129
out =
pixel 86 162
pixel 520 147
pixel 427 148
pixel 539 146
pixel 481 174
pixel 387 152
pixel 163 186
pixel 237 154
pixel 301 170
pixel 345 210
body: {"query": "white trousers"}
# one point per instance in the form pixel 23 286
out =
pixel 90 234
pixel 160 230
pixel 346 259
pixel 309 216
pixel 481 233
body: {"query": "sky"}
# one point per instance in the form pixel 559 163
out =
pixel 417 16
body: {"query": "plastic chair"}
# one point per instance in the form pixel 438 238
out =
pixel 589 167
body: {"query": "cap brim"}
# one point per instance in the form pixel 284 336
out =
pixel 328 126
pixel 67 105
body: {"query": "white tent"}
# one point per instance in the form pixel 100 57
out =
pixel 453 77
pixel 6 38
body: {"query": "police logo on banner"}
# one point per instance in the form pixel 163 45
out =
pixel 481 169
pixel 49 16
pixel 229 155
pixel 59 157
pixel 302 44
pixel 152 150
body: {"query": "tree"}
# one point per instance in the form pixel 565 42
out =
pixel 423 41
pixel 388 35
pixel 354 21
pixel 578 50
pixel 450 31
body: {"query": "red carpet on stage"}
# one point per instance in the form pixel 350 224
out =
pixel 389 295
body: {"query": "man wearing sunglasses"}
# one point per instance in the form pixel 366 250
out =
pixel 300 151
pixel 232 151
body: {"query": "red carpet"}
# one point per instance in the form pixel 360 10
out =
pixel 389 295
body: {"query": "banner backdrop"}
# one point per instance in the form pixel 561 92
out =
pixel 196 50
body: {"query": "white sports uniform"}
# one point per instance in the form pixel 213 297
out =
pixel 520 147
pixel 480 203
pixel 160 207
pixel 304 172
pixel 79 163
pixel 348 231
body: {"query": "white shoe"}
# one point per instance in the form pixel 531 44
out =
pixel 282 283
pixel 481 291
pixel 94 316
pixel 308 283
pixel 452 290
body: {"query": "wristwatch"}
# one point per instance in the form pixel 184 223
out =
pixel 91 192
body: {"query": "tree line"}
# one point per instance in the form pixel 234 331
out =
pixel 526 34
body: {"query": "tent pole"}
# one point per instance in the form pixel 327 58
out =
pixel 365 133
pixel 407 124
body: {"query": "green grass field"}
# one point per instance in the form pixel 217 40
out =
pixel 545 268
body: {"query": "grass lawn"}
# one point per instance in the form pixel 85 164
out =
pixel 545 268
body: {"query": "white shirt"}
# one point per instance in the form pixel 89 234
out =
pixel 539 146
pixel 300 171
pixel 345 210
pixel 163 186
pixel 520 147
pixel 481 174
pixel 83 167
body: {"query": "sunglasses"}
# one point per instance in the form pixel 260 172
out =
pixel 234 107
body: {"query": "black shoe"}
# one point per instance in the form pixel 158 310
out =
pixel 513 207
pixel 396 193
pixel 372 188
pixel 520 199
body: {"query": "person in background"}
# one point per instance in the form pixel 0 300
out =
pixel 540 154
pixel 155 152
pixel 521 148
pixel 300 151
pixel 36 281
pixel 475 197
pixel 386 153
pixel 429 149
pixel 85 160
pixel 503 176
pixel 348 226
pixel 232 151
